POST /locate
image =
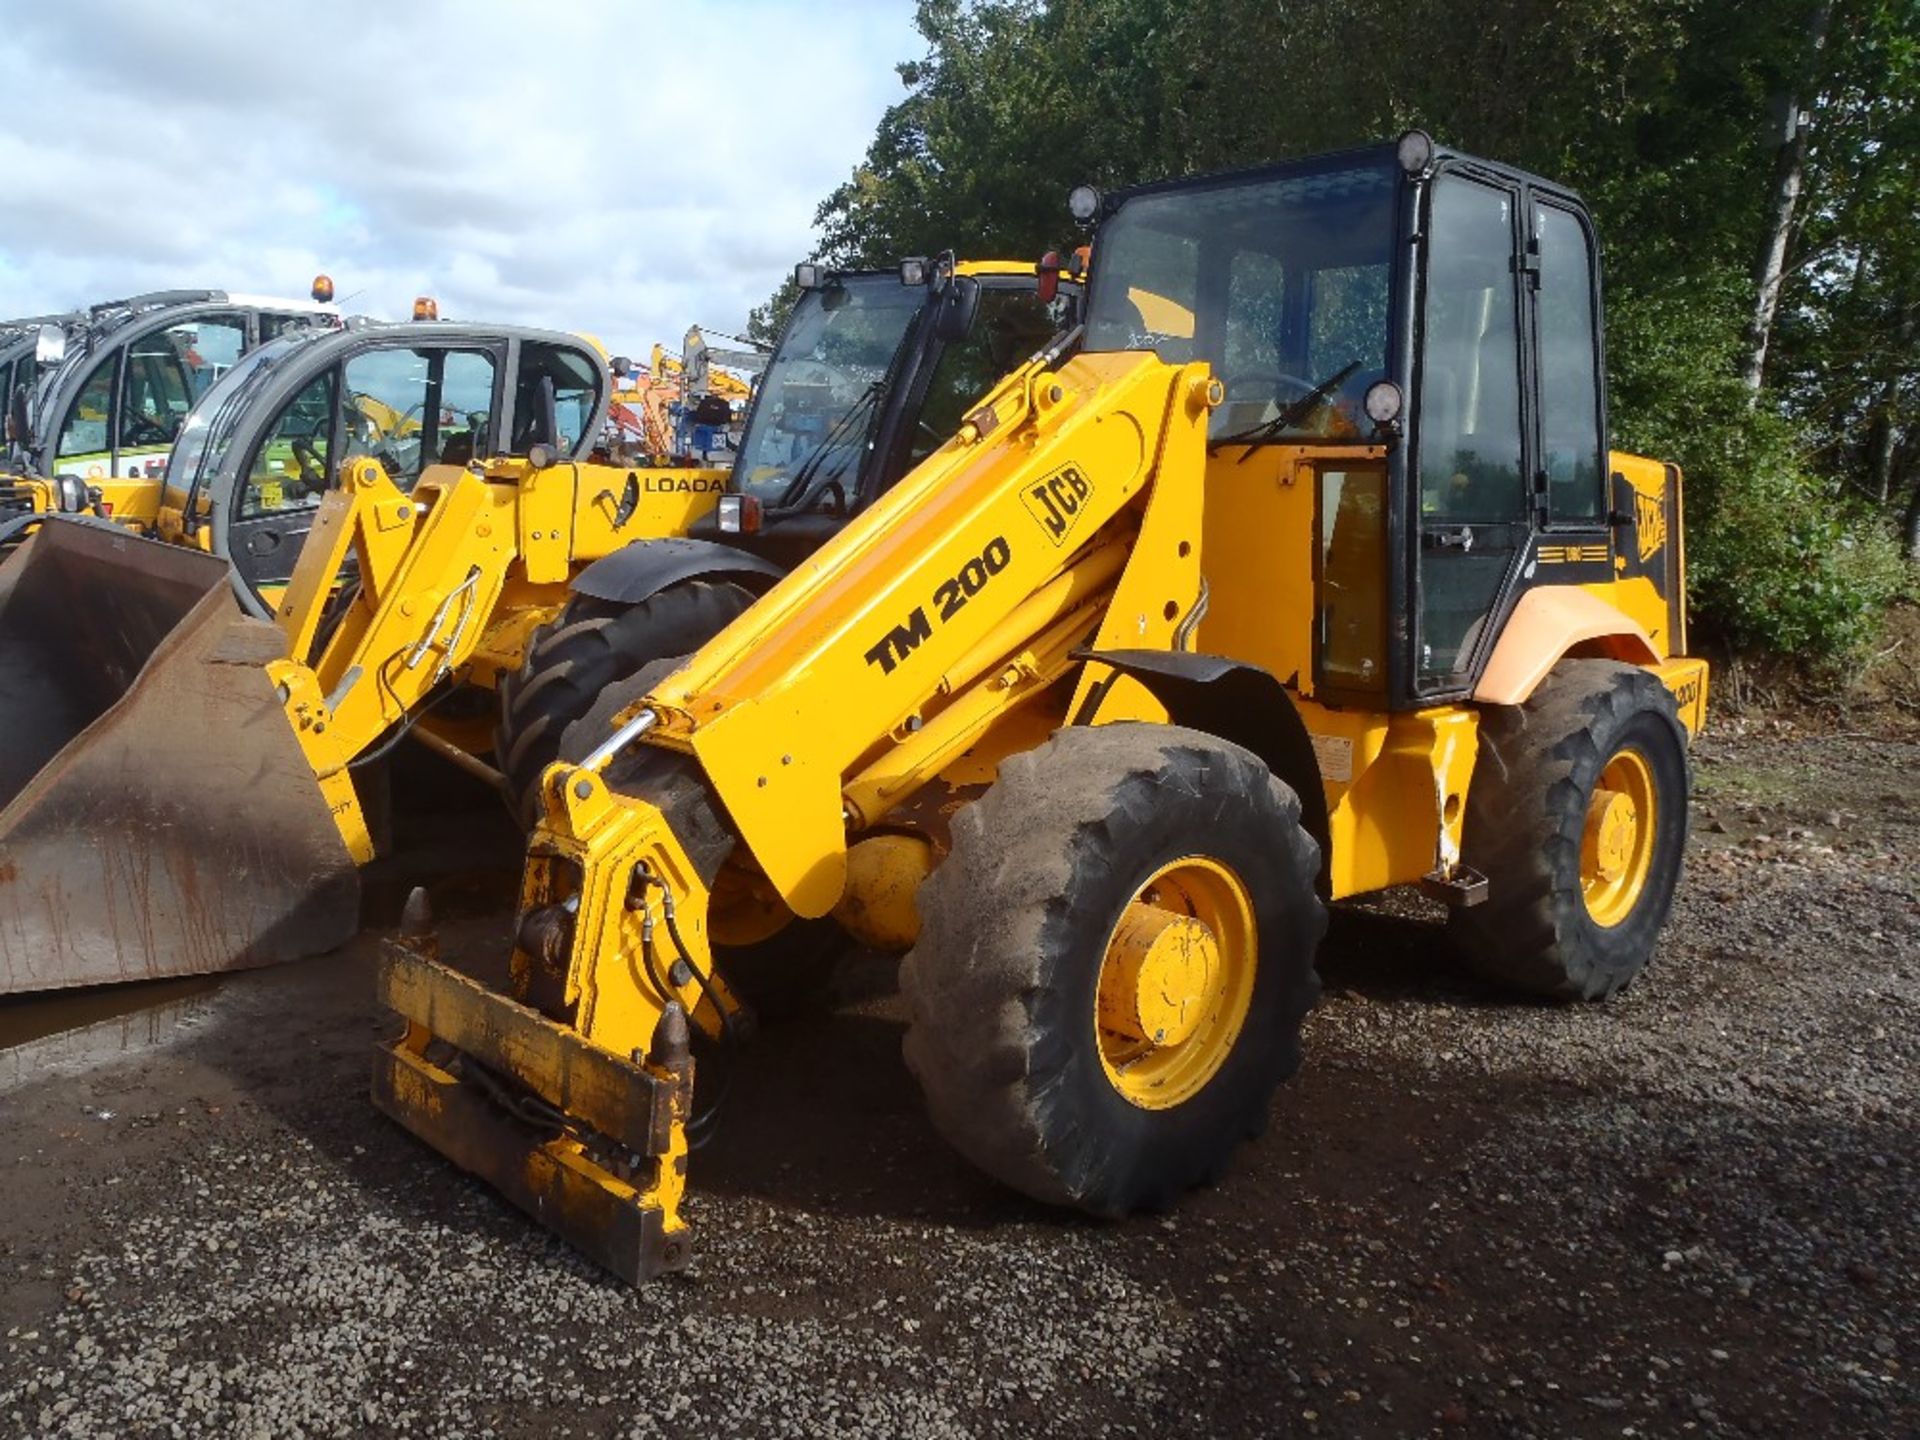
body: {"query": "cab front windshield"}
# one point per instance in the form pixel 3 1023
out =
pixel 1281 282
pixel 821 394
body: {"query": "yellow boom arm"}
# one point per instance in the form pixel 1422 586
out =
pixel 961 594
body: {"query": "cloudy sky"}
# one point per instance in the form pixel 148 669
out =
pixel 628 170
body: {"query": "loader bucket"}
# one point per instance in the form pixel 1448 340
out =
pixel 157 815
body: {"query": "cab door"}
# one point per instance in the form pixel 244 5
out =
pixel 1472 448
pixel 163 375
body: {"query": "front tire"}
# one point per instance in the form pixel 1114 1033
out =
pixel 784 974
pixel 1114 963
pixel 1577 816
pixel 589 646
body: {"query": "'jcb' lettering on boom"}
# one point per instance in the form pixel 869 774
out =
pixel 1056 502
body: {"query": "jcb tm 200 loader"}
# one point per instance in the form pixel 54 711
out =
pixel 1301 571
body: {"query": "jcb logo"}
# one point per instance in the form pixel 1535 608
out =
pixel 1650 516
pixel 1056 502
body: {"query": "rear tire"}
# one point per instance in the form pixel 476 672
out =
pixel 1531 829
pixel 1019 926
pixel 589 646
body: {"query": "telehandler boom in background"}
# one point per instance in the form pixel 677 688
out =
pixel 1301 571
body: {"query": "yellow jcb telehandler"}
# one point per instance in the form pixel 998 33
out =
pixel 188 722
pixel 1302 570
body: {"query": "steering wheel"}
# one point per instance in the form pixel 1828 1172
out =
pixel 313 470
pixel 145 430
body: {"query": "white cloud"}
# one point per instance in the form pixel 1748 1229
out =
pixel 626 170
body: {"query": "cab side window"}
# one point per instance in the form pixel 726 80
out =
pixel 1470 365
pixel 1571 447
pixel 1010 325
pixel 290 469
pixel 575 388
pixel 409 408
pixel 466 408
pixel 168 371
pixel 85 430
pixel 1251 362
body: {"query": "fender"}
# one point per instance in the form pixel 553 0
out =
pixel 1549 623
pixel 1236 702
pixel 644 568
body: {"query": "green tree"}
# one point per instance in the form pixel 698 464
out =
pixel 1665 113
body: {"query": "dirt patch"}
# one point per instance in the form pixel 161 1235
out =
pixel 1686 1211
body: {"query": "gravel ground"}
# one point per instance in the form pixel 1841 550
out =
pixel 1689 1211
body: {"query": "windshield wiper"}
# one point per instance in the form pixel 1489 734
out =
pixel 796 490
pixel 1287 418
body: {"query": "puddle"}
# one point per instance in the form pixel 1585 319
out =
pixel 69 1029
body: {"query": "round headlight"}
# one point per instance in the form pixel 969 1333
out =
pixel 1416 151
pixel 1083 202
pixel 73 494
pixel 1383 402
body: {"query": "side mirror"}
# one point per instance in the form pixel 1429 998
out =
pixel 620 365
pixel 50 345
pixel 959 303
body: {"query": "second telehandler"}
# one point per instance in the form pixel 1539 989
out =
pixel 1302 570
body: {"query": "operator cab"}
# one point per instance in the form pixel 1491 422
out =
pixel 1409 341
pixel 132 371
pixel 260 450
pixel 872 373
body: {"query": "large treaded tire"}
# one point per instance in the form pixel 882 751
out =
pixel 589 646
pixel 1526 815
pixel 1002 983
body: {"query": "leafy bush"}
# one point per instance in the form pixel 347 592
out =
pixel 1777 561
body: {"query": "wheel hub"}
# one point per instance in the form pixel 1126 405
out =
pixel 1613 821
pixel 1159 975
pixel 1617 842
pixel 1175 982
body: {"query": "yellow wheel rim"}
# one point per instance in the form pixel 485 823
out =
pixel 1616 849
pixel 1176 982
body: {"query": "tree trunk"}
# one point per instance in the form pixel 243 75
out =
pixel 1783 201
pixel 1883 436
pixel 1910 530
